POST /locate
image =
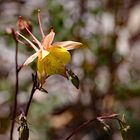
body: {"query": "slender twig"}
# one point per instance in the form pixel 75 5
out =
pixel 80 127
pixel 34 87
pixel 99 119
pixel 16 86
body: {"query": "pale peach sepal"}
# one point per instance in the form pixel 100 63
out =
pixel 69 45
pixel 31 58
pixel 47 41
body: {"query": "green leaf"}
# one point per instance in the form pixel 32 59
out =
pixel 73 78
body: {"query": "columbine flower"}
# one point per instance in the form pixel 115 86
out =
pixel 52 57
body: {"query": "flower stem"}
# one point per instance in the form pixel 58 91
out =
pixel 16 86
pixel 34 87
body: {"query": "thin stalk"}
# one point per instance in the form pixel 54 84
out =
pixel 99 119
pixel 34 87
pixel 16 86
pixel 80 127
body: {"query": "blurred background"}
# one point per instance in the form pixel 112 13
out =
pixel 107 65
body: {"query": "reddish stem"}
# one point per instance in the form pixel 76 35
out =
pixel 16 87
pixel 34 87
pixel 100 119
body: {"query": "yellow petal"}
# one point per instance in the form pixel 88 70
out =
pixel 41 71
pixel 69 45
pixel 31 58
pixel 60 53
pixel 54 63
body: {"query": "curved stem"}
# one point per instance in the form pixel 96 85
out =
pixel 99 119
pixel 80 127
